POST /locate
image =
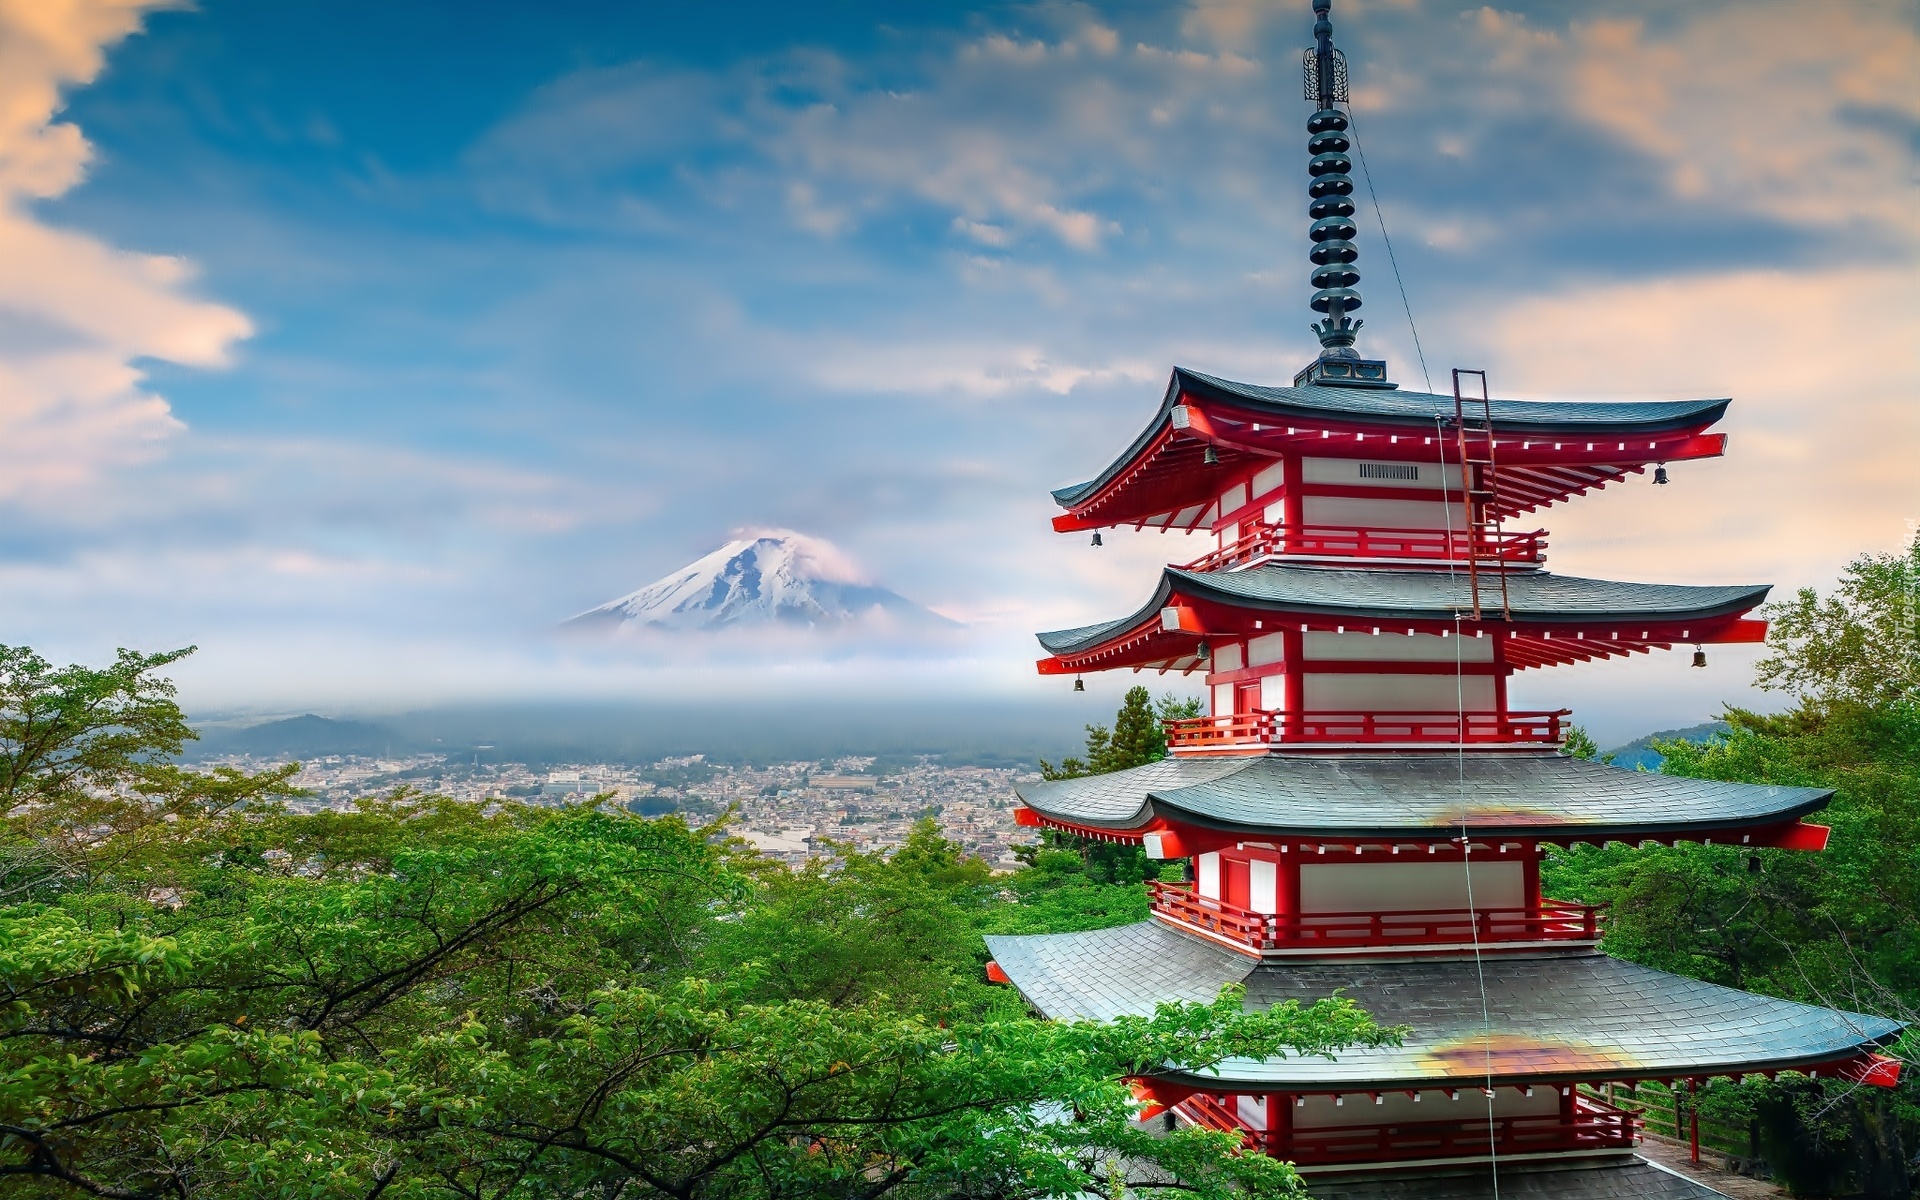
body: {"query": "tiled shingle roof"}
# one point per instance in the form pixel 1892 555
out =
pixel 1582 1016
pixel 1414 794
pixel 1589 1179
pixel 1534 597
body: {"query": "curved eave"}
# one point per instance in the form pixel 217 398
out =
pixel 1384 798
pixel 1156 480
pixel 1554 1018
pixel 1225 604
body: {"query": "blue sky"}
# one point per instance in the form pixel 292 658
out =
pixel 359 343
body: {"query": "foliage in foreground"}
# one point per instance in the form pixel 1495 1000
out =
pixel 203 994
pixel 1839 928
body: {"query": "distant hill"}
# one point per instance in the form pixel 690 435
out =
pixel 303 737
pixel 1640 752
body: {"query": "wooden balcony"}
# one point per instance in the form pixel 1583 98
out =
pixel 1409 545
pixel 1259 933
pixel 1592 1126
pixel 1261 729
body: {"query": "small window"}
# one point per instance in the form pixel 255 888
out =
pixel 1406 471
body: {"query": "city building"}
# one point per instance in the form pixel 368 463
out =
pixel 1361 811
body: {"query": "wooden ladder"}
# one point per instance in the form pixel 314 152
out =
pixel 1479 485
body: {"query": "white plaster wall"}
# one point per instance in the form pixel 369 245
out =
pixel 1393 645
pixel 1263 886
pixel 1222 699
pixel 1252 1110
pixel 1347 470
pixel 1397 693
pixel 1267 648
pixel 1273 692
pixel 1234 497
pixel 1358 513
pixel 1227 658
pixel 1410 886
pixel 1320 1112
pixel 1207 875
pixel 1269 479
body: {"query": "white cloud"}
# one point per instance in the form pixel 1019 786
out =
pixel 78 314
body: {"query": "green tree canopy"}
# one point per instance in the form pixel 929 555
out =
pixel 204 994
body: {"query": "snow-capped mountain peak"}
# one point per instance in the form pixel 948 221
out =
pixel 764 577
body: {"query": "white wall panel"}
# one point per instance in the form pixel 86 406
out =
pixel 1273 692
pixel 1393 645
pixel 1397 693
pixel 1410 886
pixel 1222 699
pixel 1353 512
pixel 1207 875
pixel 1227 658
pixel 1234 497
pixel 1347 471
pixel 1269 479
pixel 1267 648
pixel 1263 884
pixel 1252 1111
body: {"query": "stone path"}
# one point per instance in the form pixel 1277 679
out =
pixel 1673 1155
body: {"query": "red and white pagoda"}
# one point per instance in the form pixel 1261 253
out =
pixel 1362 811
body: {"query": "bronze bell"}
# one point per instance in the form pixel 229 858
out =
pixel 1211 458
pixel 1096 538
pixel 1079 684
pixel 1699 657
pixel 1660 474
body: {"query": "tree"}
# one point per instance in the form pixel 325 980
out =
pixel 1840 928
pixel 212 997
pixel 1138 736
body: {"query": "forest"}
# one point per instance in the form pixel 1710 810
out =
pixel 205 994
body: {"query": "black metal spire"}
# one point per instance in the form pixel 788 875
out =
pixel 1333 230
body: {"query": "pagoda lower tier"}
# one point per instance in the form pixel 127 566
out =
pixel 1496 1056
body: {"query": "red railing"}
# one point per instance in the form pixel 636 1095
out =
pixel 1552 921
pixel 1263 728
pixel 1338 541
pixel 1593 1126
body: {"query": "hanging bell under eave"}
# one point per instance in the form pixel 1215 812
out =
pixel 1660 475
pixel 1211 458
pixel 1699 657
pixel 1079 684
pixel 1096 538
pixel 1203 652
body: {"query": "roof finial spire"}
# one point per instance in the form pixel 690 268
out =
pixel 1333 229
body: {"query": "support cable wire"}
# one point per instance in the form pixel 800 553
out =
pixel 1466 836
pixel 1391 258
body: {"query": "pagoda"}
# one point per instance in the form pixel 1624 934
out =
pixel 1361 811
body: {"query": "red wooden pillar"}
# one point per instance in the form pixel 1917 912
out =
pixel 1293 646
pixel 1279 1126
pixel 1693 1120
pixel 1292 501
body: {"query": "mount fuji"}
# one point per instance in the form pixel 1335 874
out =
pixel 774 578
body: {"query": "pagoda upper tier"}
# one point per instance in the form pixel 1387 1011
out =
pixel 1211 434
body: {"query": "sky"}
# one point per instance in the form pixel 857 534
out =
pixel 360 343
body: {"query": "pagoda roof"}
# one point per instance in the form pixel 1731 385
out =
pixel 1415 794
pixel 1540 603
pixel 1552 449
pixel 1585 1016
pixel 1624 1177
pixel 1535 597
